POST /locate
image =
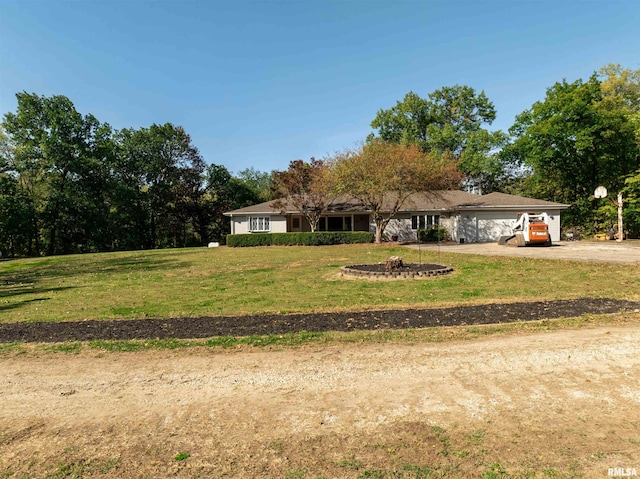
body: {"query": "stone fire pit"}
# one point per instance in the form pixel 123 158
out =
pixel 394 267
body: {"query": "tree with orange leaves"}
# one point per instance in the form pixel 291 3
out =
pixel 382 176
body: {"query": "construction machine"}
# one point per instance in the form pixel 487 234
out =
pixel 529 230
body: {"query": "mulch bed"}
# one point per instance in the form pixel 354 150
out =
pixel 204 327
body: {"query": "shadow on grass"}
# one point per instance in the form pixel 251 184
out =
pixel 6 304
pixel 32 278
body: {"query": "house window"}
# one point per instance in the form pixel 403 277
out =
pixel 424 221
pixel 335 223
pixel 259 224
pixel 296 223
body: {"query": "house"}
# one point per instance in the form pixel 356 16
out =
pixel 466 216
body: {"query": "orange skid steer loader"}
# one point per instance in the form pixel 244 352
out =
pixel 529 230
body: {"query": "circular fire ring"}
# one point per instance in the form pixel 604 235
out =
pixel 408 270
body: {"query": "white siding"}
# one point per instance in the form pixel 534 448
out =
pixel 554 224
pixel 400 226
pixel 468 227
pixel 278 224
pixel 493 224
pixel 240 224
pixel 450 225
pixel 488 226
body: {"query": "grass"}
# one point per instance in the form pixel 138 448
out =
pixel 228 282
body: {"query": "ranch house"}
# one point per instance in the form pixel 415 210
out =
pixel 467 217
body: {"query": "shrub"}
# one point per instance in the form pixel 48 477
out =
pixel 433 234
pixel 300 239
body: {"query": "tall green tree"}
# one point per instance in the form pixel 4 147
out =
pixel 631 203
pixel 258 181
pixel 572 142
pixel 221 193
pixel 59 158
pixel 69 183
pixel 452 121
pixel 159 175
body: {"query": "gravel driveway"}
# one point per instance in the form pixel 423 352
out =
pixel 606 251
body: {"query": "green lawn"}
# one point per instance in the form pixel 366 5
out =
pixel 235 281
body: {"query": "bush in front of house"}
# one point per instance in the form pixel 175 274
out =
pixel 433 234
pixel 321 238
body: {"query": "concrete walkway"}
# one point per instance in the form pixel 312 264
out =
pixel 605 251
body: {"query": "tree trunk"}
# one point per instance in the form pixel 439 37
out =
pixel 52 241
pixel 313 222
pixel 378 234
pixel 381 224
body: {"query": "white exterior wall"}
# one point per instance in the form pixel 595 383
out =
pixel 491 225
pixel 278 224
pixel 400 226
pixel 554 224
pixel 450 225
pixel 467 227
pixel 240 224
pixel 488 226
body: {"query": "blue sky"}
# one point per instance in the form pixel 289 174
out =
pixel 261 83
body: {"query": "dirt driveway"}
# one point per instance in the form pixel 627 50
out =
pixel 555 404
pixel 607 251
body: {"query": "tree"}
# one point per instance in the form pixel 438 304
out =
pixel 257 181
pixel 382 176
pixel 306 188
pixel 59 160
pixel 159 174
pixel 69 183
pixel 222 193
pixel 572 142
pixel 631 194
pixel 451 123
pixel 620 88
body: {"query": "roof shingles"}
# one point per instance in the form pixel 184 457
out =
pixel 444 200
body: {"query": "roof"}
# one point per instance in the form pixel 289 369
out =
pixel 443 200
pixel 505 201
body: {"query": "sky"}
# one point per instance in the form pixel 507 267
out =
pixel 258 84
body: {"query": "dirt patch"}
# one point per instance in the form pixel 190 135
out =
pixel 551 404
pixel 186 328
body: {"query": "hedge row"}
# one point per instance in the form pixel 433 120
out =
pixel 433 234
pixel 300 239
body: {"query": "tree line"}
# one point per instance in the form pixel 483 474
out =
pixel 70 184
